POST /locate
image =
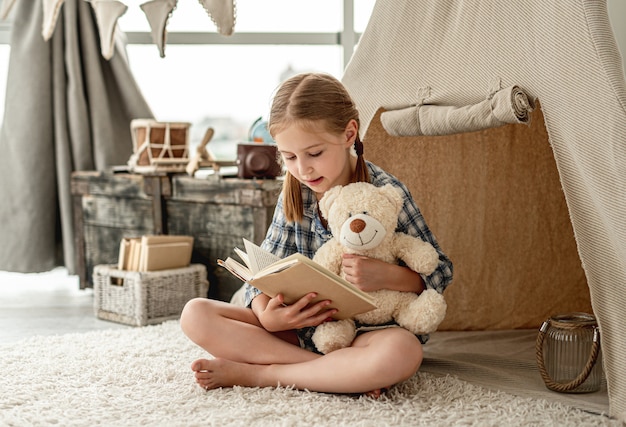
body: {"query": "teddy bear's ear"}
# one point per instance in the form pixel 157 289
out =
pixel 394 194
pixel 328 199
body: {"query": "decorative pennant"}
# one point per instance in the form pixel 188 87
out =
pixel 222 12
pixel 158 13
pixel 5 8
pixel 107 14
pixel 51 10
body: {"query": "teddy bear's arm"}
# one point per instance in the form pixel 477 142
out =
pixel 329 255
pixel 419 256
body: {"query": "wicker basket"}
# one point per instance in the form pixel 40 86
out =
pixel 146 298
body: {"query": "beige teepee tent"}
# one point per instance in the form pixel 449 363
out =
pixel 533 216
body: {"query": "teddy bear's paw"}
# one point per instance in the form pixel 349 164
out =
pixel 423 315
pixel 331 336
pixel 426 259
pixel 418 255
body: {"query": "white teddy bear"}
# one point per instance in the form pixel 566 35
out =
pixel 363 219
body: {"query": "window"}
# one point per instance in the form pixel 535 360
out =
pixel 227 82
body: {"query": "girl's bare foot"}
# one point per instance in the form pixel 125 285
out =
pixel 215 373
pixel 376 394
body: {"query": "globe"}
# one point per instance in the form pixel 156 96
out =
pixel 259 132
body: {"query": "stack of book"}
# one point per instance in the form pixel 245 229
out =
pixel 153 253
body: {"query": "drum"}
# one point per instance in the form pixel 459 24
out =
pixel 159 146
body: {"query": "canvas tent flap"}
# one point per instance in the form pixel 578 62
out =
pixel 565 56
pixel 508 105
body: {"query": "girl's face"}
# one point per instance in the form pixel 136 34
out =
pixel 318 159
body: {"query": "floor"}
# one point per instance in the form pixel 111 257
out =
pixel 45 304
pixel 52 303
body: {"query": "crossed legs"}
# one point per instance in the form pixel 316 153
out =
pixel 248 355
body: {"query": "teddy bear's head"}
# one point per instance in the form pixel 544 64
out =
pixel 361 215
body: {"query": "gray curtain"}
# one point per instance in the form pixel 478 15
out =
pixel 67 109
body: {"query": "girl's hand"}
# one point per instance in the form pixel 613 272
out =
pixel 277 317
pixel 369 274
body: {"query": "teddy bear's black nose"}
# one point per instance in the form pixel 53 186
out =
pixel 357 225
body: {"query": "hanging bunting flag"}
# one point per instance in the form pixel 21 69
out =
pixel 51 10
pixel 222 12
pixel 5 8
pixel 107 13
pixel 158 13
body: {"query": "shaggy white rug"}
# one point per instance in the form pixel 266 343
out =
pixel 141 376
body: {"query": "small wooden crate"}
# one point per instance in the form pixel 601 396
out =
pixel 146 298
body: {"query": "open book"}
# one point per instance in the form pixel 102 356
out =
pixel 296 276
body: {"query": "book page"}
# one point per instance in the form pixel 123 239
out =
pixel 236 268
pixel 244 256
pixel 277 266
pixel 258 258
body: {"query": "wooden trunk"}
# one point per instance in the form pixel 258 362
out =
pixel 218 213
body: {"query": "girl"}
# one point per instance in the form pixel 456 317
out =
pixel 266 344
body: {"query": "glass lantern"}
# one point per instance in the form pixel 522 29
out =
pixel 568 353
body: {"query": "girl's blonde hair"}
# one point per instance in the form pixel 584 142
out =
pixel 311 99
